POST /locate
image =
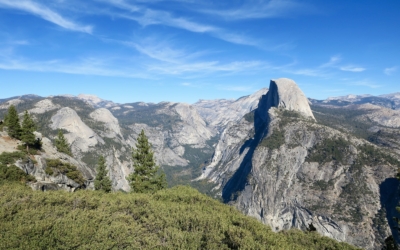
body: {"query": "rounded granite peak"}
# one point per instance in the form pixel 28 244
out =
pixel 284 93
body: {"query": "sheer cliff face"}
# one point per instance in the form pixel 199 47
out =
pixel 287 170
pixel 284 93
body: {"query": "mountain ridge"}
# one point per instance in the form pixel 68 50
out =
pixel 225 147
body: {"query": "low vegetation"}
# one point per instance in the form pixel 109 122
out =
pixel 330 149
pixel 8 158
pixel 13 173
pixel 275 140
pixel 348 121
pixel 56 167
pixel 176 218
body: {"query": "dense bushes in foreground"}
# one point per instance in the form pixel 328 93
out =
pixel 176 218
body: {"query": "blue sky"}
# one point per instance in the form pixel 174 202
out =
pixel 185 50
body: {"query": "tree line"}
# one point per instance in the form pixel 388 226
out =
pixel 146 178
pixel 22 131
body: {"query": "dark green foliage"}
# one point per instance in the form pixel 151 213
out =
pixel 62 144
pixel 13 173
pixel 56 167
pixel 102 181
pixel 31 150
pixel 390 244
pixel 249 116
pixel 331 149
pixel 275 140
pixel 343 120
pixel 288 116
pixel 372 156
pixel 177 218
pixel 7 158
pixel 12 123
pixel 27 129
pixel 146 177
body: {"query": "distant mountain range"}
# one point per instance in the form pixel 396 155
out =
pixel 277 156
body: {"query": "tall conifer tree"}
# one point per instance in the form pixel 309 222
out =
pixel 102 181
pixel 12 123
pixel 28 127
pixel 145 178
pixel 62 144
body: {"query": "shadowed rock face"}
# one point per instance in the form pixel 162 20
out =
pixel 263 168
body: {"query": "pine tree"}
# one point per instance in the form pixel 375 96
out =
pixel 102 181
pixel 28 127
pixel 145 178
pixel 12 123
pixel 62 144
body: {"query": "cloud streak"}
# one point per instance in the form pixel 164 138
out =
pixel 45 13
pixel 390 71
pixel 147 17
pixel 269 9
pixel 85 66
pixel 351 68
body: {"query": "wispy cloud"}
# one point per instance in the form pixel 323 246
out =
pixel 153 17
pixel 45 13
pixel 333 61
pixel 147 17
pixel 352 68
pixel 325 70
pixel 390 71
pixel 240 88
pixel 207 67
pixel 367 83
pixel 84 66
pixel 308 72
pixel 267 9
pixel 165 58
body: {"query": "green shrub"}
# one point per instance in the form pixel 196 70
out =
pixel 275 140
pixel 8 158
pixel 13 173
pixel 331 149
pixel 32 150
pixel 176 218
pixel 56 167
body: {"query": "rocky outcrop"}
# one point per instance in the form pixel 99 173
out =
pixel 218 113
pixel 80 135
pixel 112 128
pixel 284 93
pixel 95 101
pixel 44 106
pixel 382 116
pixel 276 168
pixel 193 129
pixel 36 165
pixel 7 104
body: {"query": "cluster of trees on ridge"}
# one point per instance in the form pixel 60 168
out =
pixel 147 176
